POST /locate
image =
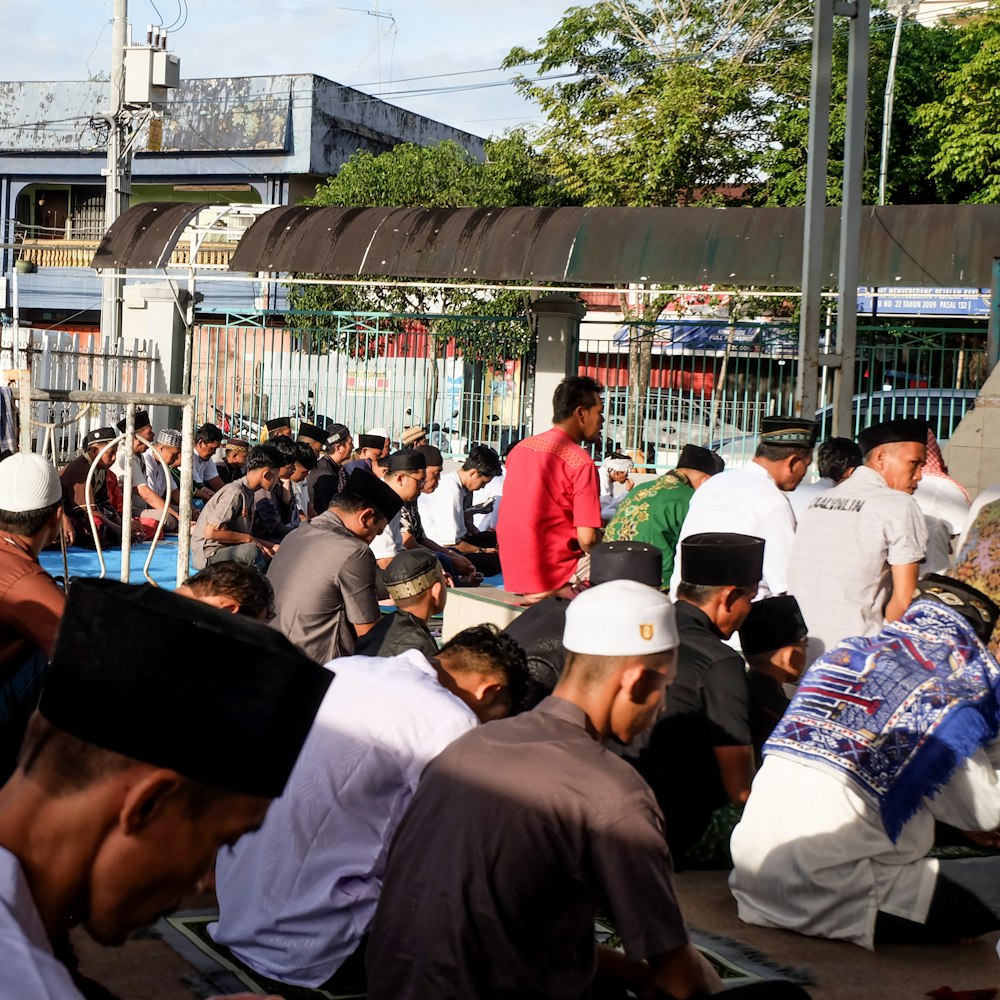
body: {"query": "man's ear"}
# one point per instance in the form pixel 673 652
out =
pixel 634 683
pixel 148 799
pixel 224 602
pixel 730 596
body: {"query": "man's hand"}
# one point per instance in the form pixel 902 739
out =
pixel 462 565
pixel 67 527
pixel 268 548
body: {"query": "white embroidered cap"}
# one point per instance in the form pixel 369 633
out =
pixel 28 482
pixel 620 618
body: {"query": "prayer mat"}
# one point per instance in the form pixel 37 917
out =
pixel 218 971
pixel 84 562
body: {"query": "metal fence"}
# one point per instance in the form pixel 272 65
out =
pixel 60 361
pixel 362 371
pixel 711 383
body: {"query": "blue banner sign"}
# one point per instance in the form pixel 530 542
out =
pixel 924 301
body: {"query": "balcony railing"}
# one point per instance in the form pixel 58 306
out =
pixel 79 253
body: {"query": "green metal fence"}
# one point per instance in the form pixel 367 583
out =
pixel 715 396
pixel 375 370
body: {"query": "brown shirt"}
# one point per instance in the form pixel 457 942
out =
pixel 74 480
pixel 518 834
pixel 31 605
pixel 231 509
pixel 324 583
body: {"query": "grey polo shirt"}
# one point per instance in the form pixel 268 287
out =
pixel 543 827
pixel 324 583
pixel 231 509
pixel 846 542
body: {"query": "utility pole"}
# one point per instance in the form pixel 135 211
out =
pixel 841 361
pixel 118 172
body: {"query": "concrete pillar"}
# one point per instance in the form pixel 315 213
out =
pixel 156 313
pixel 557 326
pixel 973 451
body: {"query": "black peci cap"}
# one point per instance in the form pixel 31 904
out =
pixel 313 432
pixel 771 624
pixel 404 460
pixel 701 460
pixel 893 432
pixel 722 559
pixel 789 432
pixel 366 486
pixel 141 420
pixel 227 701
pixel 626 561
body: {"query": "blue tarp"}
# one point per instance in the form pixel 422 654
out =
pixel 84 562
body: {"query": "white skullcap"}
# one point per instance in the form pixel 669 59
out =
pixel 379 432
pixel 620 618
pixel 618 464
pixel 28 482
pixel 170 437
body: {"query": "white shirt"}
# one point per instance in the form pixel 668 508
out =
pixel 156 478
pixel 29 969
pixel 811 855
pixel 442 513
pixel 138 478
pixel 493 490
pixel 846 542
pixel 296 897
pixel 805 493
pixel 203 469
pixel 945 512
pixel 389 542
pixel 746 501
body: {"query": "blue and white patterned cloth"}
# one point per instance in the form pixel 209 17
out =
pixel 894 715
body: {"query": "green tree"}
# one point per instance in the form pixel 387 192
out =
pixel 923 53
pixel 666 99
pixel 961 124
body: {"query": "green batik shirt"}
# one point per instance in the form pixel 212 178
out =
pixel 653 513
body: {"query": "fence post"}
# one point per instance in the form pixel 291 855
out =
pixel 557 337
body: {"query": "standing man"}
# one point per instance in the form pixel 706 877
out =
pixel 521 830
pixel 143 760
pixel 754 500
pixel 31 605
pixel 324 573
pixel 836 460
pixel 699 756
pixel 295 901
pixel 551 514
pixel 858 547
pixel 329 478
pixel 654 512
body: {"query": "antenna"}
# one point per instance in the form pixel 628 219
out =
pixel 377 14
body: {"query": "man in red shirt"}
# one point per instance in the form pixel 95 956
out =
pixel 551 511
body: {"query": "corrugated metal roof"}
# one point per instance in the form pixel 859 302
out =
pixel 948 245
pixel 145 235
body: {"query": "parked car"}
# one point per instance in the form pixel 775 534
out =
pixel 672 422
pixel 942 408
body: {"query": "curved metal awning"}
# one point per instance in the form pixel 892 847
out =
pixel 910 245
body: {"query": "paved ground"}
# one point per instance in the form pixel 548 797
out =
pixel 148 970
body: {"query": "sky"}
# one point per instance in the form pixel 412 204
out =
pixel 375 45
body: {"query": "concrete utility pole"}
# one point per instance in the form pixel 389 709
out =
pixel 118 172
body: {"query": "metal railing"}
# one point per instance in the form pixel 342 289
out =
pixel 130 402
pixel 710 384
pixel 364 372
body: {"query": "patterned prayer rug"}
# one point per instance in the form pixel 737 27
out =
pixel 218 971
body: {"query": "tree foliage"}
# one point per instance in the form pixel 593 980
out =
pixel 666 100
pixel 961 125
pixel 923 53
